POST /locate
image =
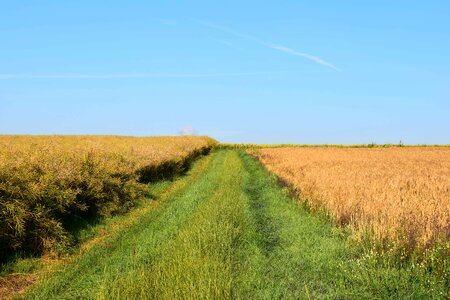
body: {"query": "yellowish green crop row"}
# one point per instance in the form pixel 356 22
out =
pixel 47 183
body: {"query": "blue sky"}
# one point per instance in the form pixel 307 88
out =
pixel 239 71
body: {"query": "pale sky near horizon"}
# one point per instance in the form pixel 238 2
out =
pixel 239 71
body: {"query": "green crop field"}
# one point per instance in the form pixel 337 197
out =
pixel 219 227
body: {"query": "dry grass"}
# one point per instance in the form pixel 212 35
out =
pixel 14 284
pixel 48 182
pixel 397 195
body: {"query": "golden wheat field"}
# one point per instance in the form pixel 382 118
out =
pixel 399 195
pixel 47 181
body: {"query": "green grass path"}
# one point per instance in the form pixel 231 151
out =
pixel 229 233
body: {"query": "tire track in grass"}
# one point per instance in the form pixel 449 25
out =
pixel 201 262
pixel 140 243
pixel 287 238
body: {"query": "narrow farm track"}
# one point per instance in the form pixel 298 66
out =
pixel 227 232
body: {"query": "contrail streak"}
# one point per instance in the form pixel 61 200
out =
pixel 280 48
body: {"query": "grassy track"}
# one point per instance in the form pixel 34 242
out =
pixel 231 233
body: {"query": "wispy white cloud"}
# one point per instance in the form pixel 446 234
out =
pixel 313 58
pixel 229 31
pixel 188 131
pixel 280 48
pixel 126 75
